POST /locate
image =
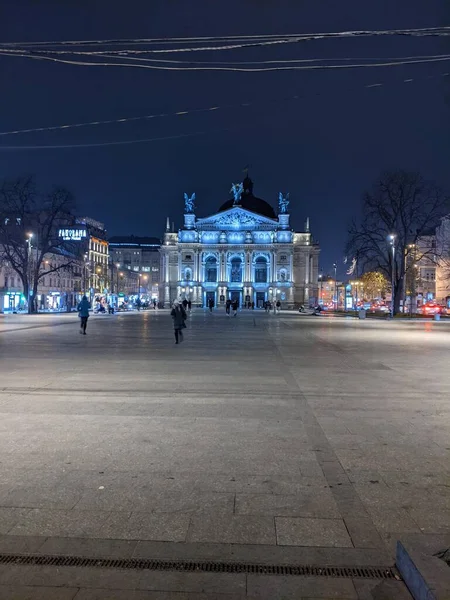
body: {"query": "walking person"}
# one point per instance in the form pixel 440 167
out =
pixel 83 313
pixel 179 316
pixel 278 306
pixel 228 306
pixel 189 305
pixel 235 307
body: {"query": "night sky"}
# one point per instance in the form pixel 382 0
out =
pixel 324 148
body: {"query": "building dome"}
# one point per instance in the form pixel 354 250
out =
pixel 249 202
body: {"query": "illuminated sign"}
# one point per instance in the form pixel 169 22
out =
pixel 72 235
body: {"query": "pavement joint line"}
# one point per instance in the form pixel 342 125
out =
pixel 319 441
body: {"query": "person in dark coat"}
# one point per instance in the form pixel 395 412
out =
pixel 211 304
pixel 178 315
pixel 83 312
pixel 185 304
pixel 228 306
pixel 235 307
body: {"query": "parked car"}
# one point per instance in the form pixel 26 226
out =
pixel 430 308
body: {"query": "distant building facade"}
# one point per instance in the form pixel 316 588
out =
pixel 136 265
pixel 244 252
pixel 79 266
pixel 96 275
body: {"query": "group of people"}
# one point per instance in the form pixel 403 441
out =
pixel 178 313
pixel 276 306
pixel 231 304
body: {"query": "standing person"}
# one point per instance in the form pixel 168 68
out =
pixel 235 307
pixel 83 313
pixel 211 304
pixel 178 315
pixel 189 305
pixel 185 304
pixel 253 306
pixel 278 306
pixel 228 306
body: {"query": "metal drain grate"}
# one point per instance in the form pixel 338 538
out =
pixel 200 566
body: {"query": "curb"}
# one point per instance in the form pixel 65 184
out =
pixel 427 577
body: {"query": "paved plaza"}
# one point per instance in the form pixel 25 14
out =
pixel 269 439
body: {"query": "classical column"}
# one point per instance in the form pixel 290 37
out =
pixel 200 267
pixel 307 265
pixel 274 266
pixel 222 265
pixel 166 258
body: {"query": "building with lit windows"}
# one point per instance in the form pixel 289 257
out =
pixel 96 275
pixel 135 262
pixel 245 252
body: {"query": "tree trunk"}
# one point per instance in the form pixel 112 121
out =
pixel 397 296
pixel 33 303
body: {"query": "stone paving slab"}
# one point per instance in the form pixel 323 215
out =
pixel 24 592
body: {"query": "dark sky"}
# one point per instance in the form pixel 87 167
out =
pixel 325 148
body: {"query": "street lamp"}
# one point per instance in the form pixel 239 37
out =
pixel 391 239
pixel 320 291
pixel 335 286
pixel 29 269
pixel 117 276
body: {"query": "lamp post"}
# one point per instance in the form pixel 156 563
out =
pixel 391 239
pixel 117 275
pixel 99 271
pixel 335 286
pixel 145 277
pixel 320 292
pixel 30 291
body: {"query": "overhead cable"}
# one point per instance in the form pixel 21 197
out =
pixel 178 113
pixel 394 63
pixel 258 39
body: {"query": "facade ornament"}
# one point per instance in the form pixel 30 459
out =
pixel 236 219
pixel 283 202
pixel 189 206
pixel 236 190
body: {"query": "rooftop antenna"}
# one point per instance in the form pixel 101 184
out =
pixel 168 224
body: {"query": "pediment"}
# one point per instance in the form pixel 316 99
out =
pixel 236 218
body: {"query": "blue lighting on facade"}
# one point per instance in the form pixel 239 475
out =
pixel 284 236
pixel 236 238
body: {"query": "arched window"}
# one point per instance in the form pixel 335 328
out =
pixel 261 270
pixel 236 270
pixel 211 269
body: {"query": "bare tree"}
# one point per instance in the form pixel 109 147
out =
pixel 403 204
pixel 29 226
